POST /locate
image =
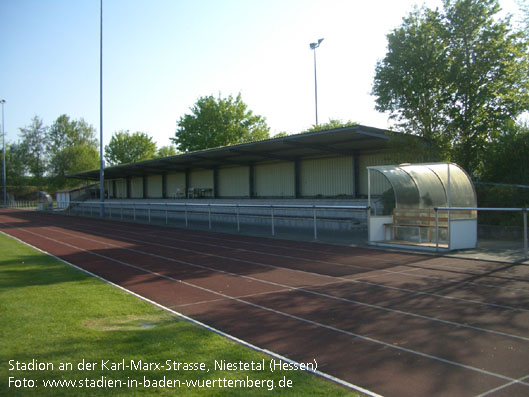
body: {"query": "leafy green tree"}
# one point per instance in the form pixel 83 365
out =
pixel 488 76
pixel 330 125
pixel 455 77
pixel 216 122
pixel 166 151
pixel 71 160
pixel 61 137
pixel 280 134
pixel 506 158
pixel 65 132
pixel 33 142
pixel 524 8
pixel 16 168
pixel 410 81
pixel 125 148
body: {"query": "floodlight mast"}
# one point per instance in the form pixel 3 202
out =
pixel 313 47
pixel 101 160
pixel 2 101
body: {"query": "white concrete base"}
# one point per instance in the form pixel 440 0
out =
pixel 463 234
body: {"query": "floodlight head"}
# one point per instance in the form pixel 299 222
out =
pixel 2 101
pixel 313 46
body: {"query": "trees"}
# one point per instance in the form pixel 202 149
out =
pixel 216 122
pixel 71 160
pixel 409 80
pixel 331 124
pixel 166 151
pixel 33 142
pixel 16 168
pixel 507 157
pixel 125 147
pixel 455 77
pixel 65 132
pixel 71 147
pixel 489 76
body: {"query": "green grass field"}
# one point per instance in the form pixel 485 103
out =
pixel 56 318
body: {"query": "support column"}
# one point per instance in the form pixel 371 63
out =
pixel 187 183
pixel 297 178
pixel 164 185
pixel 144 183
pixel 128 187
pixel 251 181
pixel 114 193
pixel 215 182
pixel 356 173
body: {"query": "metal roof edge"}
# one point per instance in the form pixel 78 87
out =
pixel 357 128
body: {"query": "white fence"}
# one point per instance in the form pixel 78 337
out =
pixel 22 204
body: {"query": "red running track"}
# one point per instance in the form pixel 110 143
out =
pixel 397 324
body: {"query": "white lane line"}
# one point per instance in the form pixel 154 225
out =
pixel 517 381
pixel 288 289
pixel 222 299
pixel 283 286
pixel 457 283
pixel 430 267
pixel 317 324
pixel 357 281
pixel 427 257
pixel 203 325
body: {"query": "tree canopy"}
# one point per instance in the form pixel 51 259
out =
pixel 71 147
pixel 72 160
pixel 508 157
pixel 166 151
pixel 331 124
pixel 455 77
pixel 33 143
pixel 16 165
pixel 216 122
pixel 125 148
pixel 65 132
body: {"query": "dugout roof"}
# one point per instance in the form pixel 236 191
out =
pixel 422 186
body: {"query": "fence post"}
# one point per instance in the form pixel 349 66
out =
pixel 525 243
pixel 315 223
pixel 209 215
pixel 121 208
pixel 185 211
pixel 436 229
pixel 272 215
pixel 238 223
pixel 368 219
pixel 109 210
pixel 149 211
pixel 134 210
pixel 166 220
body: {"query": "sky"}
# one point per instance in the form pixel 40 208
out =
pixel 160 56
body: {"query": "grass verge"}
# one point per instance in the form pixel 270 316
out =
pixel 56 319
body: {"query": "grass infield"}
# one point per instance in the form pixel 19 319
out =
pixel 54 318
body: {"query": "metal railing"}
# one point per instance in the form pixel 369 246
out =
pixel 274 214
pixel 164 210
pixel 22 204
pixel 458 209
